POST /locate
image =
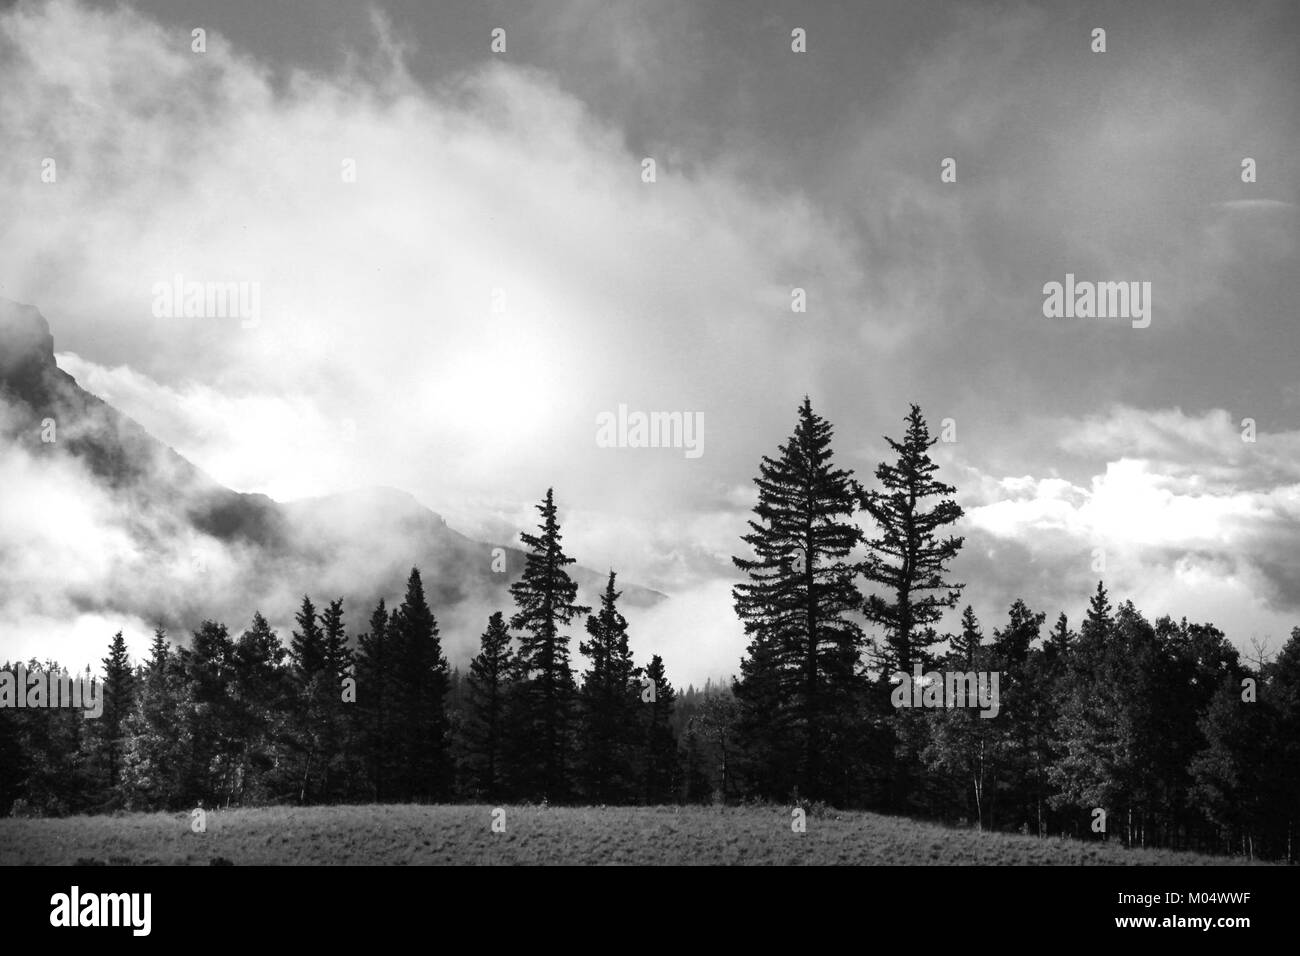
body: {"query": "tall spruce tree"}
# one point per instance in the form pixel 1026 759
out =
pixel 609 703
pixel 490 678
pixel 307 653
pixel 119 698
pixel 908 559
pixel 327 698
pixel 337 657
pixel 307 648
pixel 373 712
pixel 421 674
pixel 662 765
pixel 799 682
pixel 545 597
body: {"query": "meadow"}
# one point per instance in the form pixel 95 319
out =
pixel 406 834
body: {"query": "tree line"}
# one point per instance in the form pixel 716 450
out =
pixel 1158 731
pixel 1156 734
pixel 380 717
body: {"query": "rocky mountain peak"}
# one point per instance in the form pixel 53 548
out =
pixel 26 345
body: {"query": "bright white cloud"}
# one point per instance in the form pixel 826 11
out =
pixel 1209 546
pixel 378 295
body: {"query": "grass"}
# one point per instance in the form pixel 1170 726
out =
pixel 417 835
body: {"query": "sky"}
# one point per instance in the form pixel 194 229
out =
pixel 499 273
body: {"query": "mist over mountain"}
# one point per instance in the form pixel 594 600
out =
pixel 101 519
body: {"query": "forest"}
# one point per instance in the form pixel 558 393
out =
pixel 1150 733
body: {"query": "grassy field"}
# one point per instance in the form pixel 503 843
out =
pixel 414 835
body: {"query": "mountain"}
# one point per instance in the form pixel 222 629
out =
pixel 140 531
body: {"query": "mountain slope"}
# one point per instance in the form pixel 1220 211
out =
pixel 138 530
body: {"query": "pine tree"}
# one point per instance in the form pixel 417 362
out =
pixel 119 698
pixel 338 665
pixel 337 658
pixel 307 653
pixel 801 676
pixel 967 644
pixel 1011 644
pixel 908 559
pixel 608 702
pixel 420 679
pixel 490 676
pixel 374 704
pixel 1059 644
pixel 662 765
pixel 545 597
pixel 1098 625
pixel 307 648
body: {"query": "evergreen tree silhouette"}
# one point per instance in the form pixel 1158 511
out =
pixel 420 685
pixel 908 559
pixel 119 692
pixel 800 680
pixel 662 764
pixel 609 702
pixel 490 676
pixel 374 704
pixel 545 599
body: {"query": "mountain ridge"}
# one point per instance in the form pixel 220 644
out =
pixel 200 549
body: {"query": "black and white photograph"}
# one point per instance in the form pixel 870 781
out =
pixel 651 433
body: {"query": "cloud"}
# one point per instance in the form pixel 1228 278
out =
pixel 496 276
pixel 696 633
pixel 1156 524
pixel 248 441
pixel 81 560
pixel 452 322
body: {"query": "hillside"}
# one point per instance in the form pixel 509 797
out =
pixel 182 547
